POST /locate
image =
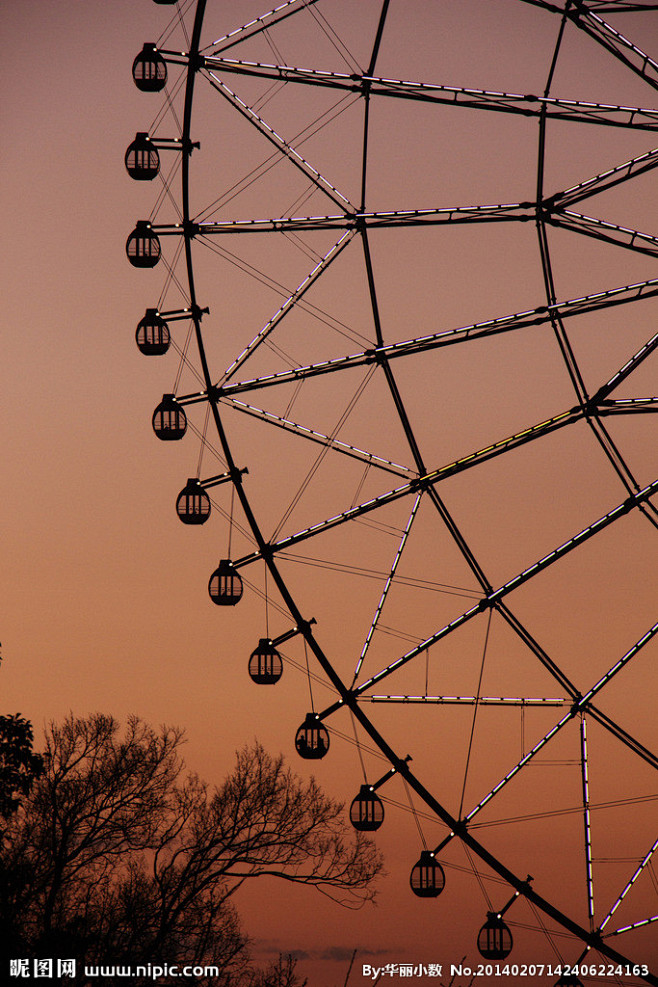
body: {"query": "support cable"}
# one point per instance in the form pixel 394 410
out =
pixel 288 305
pixel 309 677
pixel 387 586
pixel 320 458
pixel 280 143
pixel 576 709
pixel 415 814
pixel 202 445
pixel 475 713
pixel 358 747
pixel 629 885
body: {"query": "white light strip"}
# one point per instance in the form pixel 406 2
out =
pixel 289 302
pixel 484 700
pixel 289 71
pixel 387 586
pixel 620 664
pixel 603 224
pixel 596 180
pixel 257 20
pixel 283 145
pixel 420 343
pixel 320 436
pixel 623 41
pixel 635 925
pixel 586 819
pixel 628 888
pixel 631 402
pixel 641 353
pixel 517 767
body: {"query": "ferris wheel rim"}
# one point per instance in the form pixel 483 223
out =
pixel 347 697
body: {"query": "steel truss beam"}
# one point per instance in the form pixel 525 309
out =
pixel 622 6
pixel 491 599
pixel 528 105
pixel 622 236
pixel 520 212
pixel 628 406
pixel 466 700
pixel 603 181
pixel 426 481
pixel 260 24
pixel 649 347
pixel 543 315
pixel 314 436
pixel 584 17
pixel 600 6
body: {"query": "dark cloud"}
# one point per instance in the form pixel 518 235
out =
pixel 339 954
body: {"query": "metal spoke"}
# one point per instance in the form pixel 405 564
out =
pixel 387 586
pixel 605 180
pixel 259 24
pixel 496 212
pixel 585 18
pixel 635 925
pixel 378 37
pixel 535 648
pixel 586 818
pixel 581 111
pixel 478 330
pixel 623 6
pixel 628 368
pixel 369 458
pixel 492 598
pixel 279 142
pixel 629 741
pixel 289 303
pixel 566 219
pixel 578 707
pixel 627 406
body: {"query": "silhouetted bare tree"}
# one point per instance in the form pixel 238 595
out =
pixel 118 857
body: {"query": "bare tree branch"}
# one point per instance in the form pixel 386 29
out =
pixel 118 857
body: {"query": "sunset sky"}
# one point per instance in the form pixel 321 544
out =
pixel 104 592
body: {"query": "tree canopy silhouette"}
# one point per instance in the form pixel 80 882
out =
pixel 118 856
pixel 19 765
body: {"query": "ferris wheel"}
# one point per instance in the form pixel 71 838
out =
pixel 387 306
